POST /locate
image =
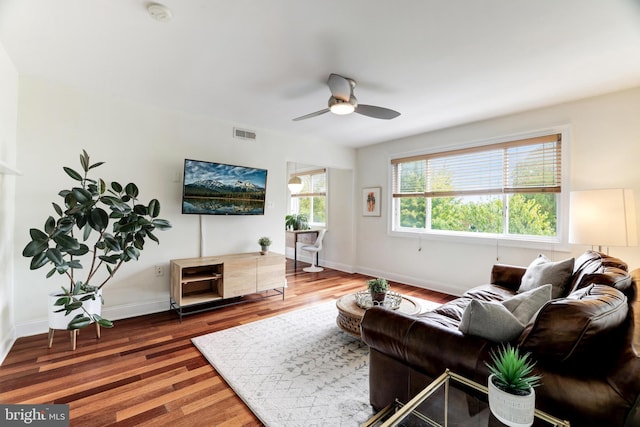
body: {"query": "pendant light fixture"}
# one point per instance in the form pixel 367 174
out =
pixel 295 184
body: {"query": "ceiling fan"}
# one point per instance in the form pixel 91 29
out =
pixel 342 101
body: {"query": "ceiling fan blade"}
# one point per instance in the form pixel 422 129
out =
pixel 376 112
pixel 340 87
pixel 308 116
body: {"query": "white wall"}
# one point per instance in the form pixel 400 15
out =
pixel 147 146
pixel 340 229
pixel 604 153
pixel 8 119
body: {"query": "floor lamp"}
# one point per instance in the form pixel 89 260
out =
pixel 603 218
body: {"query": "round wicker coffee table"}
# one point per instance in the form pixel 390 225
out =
pixel 350 314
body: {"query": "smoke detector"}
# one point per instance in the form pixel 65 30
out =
pixel 159 12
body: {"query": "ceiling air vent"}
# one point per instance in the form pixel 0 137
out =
pixel 244 134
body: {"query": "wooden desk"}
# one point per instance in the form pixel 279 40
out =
pixel 308 237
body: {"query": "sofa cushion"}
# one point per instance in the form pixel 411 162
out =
pixel 452 311
pixel 505 321
pixel 595 267
pixel 543 271
pixel 490 293
pixel 612 276
pixel 573 327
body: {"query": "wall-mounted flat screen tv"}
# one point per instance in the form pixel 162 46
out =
pixel 221 189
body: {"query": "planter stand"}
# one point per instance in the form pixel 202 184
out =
pixel 59 322
pixel 73 335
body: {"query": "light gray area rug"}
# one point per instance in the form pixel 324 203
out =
pixel 296 369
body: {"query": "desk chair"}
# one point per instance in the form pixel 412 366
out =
pixel 316 247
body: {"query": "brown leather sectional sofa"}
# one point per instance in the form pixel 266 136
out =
pixel 586 344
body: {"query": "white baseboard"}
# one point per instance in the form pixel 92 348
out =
pixel 131 310
pixel 446 288
pixel 304 256
pixel 112 313
pixel 6 344
pixel 337 266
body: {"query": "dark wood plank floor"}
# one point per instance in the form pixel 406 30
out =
pixel 146 372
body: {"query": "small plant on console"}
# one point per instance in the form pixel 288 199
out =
pixel 264 243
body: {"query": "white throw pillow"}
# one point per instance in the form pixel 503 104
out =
pixel 542 271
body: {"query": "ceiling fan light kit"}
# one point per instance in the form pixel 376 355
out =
pixel 343 102
pixel 340 107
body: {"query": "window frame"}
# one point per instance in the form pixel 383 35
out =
pixel 558 242
pixel 295 197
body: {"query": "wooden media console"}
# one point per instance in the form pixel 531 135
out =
pixel 200 284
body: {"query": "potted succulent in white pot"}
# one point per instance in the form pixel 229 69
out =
pixel 512 398
pixel 104 226
pixel 378 289
pixel 264 243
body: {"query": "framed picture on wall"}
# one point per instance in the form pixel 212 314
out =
pixel 371 201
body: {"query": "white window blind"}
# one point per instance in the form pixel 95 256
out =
pixel 531 165
pixel 314 183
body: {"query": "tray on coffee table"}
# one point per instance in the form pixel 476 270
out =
pixel 350 313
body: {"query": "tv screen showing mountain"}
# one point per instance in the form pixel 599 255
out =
pixel 221 189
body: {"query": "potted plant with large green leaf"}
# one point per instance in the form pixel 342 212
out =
pixel 511 386
pixel 96 228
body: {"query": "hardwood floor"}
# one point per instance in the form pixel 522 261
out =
pixel 146 372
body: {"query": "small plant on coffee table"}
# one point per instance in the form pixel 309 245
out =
pixel 378 288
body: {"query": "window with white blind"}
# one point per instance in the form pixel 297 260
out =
pixel 311 200
pixel 511 188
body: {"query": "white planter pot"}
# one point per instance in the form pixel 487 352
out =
pixel 60 321
pixel 511 409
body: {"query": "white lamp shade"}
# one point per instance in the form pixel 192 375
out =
pixel 295 184
pixel 603 218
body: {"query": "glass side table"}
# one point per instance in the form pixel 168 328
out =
pixel 451 400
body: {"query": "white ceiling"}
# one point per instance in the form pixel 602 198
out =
pixel 260 63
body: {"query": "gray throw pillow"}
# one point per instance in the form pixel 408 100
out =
pixel 526 304
pixel 490 320
pixel 543 271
